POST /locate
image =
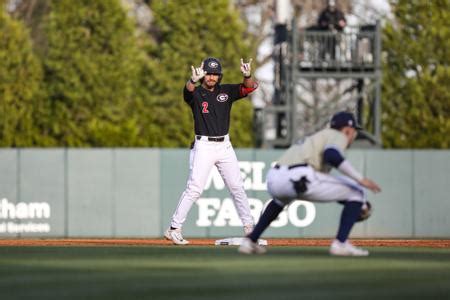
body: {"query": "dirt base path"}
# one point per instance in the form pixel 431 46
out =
pixel 210 242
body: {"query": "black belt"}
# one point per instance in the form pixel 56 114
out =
pixel 212 139
pixel 277 166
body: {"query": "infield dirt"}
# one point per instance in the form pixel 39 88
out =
pixel 210 242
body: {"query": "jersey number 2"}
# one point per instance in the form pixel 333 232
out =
pixel 205 107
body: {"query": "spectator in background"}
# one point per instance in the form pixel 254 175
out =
pixel 333 20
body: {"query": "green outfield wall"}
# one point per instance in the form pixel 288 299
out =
pixel 133 192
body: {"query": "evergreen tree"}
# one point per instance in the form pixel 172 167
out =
pixel 91 66
pixel 187 32
pixel 416 94
pixel 20 76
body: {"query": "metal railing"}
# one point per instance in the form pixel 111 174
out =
pixel 318 72
pixel 354 49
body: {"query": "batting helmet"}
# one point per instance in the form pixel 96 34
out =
pixel 212 65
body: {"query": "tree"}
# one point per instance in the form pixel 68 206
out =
pixel 105 84
pixel 416 97
pixel 20 76
pixel 91 66
pixel 187 32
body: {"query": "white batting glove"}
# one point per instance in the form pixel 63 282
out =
pixel 246 68
pixel 197 73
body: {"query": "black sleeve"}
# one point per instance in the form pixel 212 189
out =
pixel 234 90
pixel 188 96
pixel 332 157
pixel 323 20
pixel 341 16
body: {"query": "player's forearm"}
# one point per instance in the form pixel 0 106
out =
pixel 346 168
pixel 190 85
pixel 249 82
pixel 333 157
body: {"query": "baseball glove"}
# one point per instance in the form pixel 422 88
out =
pixel 366 211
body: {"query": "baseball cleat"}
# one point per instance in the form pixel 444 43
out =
pixel 249 247
pixel 175 236
pixel 346 249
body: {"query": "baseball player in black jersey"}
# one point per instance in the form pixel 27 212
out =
pixel 211 104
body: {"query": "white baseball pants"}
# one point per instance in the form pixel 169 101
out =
pixel 203 157
pixel 322 187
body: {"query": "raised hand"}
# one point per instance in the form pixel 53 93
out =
pixel 246 68
pixel 197 73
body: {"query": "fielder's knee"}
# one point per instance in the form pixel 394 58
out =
pixel 279 202
pixel 357 195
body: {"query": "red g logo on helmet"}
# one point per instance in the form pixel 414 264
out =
pixel 213 64
pixel 222 97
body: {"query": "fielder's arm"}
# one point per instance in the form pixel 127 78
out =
pixel 333 157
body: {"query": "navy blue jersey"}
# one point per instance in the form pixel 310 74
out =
pixel 211 109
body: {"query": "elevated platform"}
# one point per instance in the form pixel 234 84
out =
pixel 303 100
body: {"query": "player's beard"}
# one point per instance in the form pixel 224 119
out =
pixel 210 84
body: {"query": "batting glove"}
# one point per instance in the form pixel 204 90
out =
pixel 246 68
pixel 197 73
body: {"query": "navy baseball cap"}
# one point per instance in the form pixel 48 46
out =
pixel 212 65
pixel 343 119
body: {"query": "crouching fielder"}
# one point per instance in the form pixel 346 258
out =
pixel 302 172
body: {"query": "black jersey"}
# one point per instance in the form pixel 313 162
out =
pixel 211 109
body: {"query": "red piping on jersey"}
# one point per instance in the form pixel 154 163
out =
pixel 244 91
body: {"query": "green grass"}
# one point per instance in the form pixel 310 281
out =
pixel 150 272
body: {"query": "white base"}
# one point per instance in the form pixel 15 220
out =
pixel 236 241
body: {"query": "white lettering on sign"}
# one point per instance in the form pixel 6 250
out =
pixel 251 172
pixel 213 211
pixel 12 227
pixel 23 211
pixel 227 215
pixel 290 214
pixel 206 210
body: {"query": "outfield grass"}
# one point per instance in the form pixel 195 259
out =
pixel 170 272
